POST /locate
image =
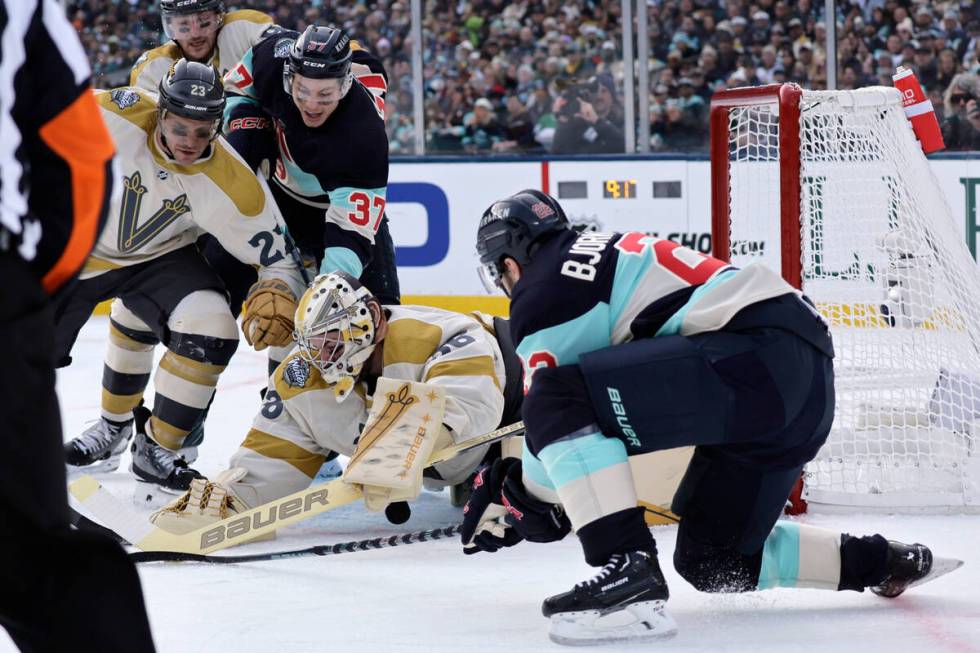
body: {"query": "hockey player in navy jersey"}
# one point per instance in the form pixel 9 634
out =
pixel 632 344
pixel 328 146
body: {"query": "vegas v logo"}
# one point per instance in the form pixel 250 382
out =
pixel 132 234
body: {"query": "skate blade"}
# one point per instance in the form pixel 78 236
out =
pixel 151 495
pixel 638 621
pixel 940 567
pixel 106 466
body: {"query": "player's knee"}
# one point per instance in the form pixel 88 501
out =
pixel 203 329
pixel 130 327
pixel 715 569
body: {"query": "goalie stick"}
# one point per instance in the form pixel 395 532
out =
pixel 318 550
pixel 244 526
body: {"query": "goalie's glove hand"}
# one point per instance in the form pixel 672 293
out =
pixel 267 314
pixel 501 512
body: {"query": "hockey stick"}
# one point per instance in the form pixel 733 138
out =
pixel 319 550
pixel 244 526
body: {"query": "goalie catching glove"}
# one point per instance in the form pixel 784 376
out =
pixel 501 512
pixel 267 314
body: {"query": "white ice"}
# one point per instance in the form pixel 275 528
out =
pixel 430 597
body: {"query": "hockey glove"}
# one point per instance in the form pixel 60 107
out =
pixel 484 516
pixel 501 512
pixel 533 519
pixel 267 314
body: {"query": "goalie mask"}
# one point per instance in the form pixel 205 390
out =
pixel 335 330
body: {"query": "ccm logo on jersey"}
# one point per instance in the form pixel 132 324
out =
pixel 251 122
pixel 590 246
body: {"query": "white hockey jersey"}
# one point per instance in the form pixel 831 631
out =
pixel 162 205
pixel 430 345
pixel 240 30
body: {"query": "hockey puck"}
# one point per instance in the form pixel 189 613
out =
pixel 398 512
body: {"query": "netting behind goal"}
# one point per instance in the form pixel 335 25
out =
pixel 832 189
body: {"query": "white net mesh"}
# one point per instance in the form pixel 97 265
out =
pixel 886 266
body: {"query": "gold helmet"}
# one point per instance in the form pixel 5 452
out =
pixel 335 330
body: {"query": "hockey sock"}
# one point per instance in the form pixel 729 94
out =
pixel 797 555
pixel 591 474
pixel 620 532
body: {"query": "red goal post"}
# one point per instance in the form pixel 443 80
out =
pixel 832 189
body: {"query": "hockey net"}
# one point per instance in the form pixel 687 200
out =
pixel 832 189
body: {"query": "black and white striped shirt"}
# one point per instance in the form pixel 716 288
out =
pixel 55 154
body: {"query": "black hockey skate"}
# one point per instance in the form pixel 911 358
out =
pixel 156 467
pixel 910 565
pixel 99 448
pixel 624 601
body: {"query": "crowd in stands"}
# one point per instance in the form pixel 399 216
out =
pixel 547 75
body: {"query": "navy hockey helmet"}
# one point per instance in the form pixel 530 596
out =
pixel 170 9
pixel 512 227
pixel 193 90
pixel 320 53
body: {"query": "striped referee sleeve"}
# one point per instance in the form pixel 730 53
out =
pixel 55 151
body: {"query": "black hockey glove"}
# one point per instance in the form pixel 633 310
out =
pixel 501 513
pixel 533 519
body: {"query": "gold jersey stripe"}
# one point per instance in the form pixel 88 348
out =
pixel 410 341
pixel 95 264
pixel 286 390
pixel 270 446
pixel 191 370
pixel 119 404
pixel 169 50
pixel 473 366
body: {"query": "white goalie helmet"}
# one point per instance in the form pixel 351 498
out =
pixel 335 330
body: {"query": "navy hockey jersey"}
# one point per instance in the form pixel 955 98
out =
pixel 592 290
pixel 340 166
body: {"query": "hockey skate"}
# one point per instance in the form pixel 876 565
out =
pixel 625 601
pixel 910 565
pixel 159 471
pixel 99 448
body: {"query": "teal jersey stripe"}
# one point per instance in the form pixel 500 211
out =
pixel 569 460
pixel 672 326
pixel 534 470
pixel 566 341
pixel 781 556
pixel 299 180
pixel 630 271
pixel 232 102
pixel 343 259
pixel 364 203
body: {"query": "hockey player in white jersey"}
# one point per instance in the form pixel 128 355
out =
pixel 200 30
pixel 179 179
pixel 320 398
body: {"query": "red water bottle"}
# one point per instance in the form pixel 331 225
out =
pixel 919 111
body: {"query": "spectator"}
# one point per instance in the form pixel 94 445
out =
pixel 483 132
pixel 589 119
pixel 961 124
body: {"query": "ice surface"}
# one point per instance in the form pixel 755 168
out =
pixel 429 597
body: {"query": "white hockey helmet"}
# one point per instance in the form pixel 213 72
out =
pixel 335 330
